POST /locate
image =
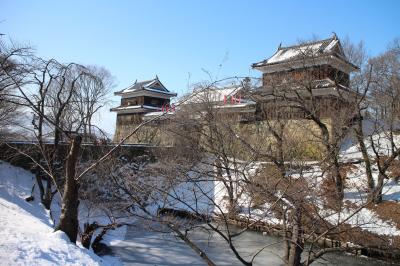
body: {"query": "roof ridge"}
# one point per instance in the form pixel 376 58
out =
pixel 146 81
pixel 141 84
pixel 306 43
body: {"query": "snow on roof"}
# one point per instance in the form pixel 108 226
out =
pixel 127 107
pixel 288 53
pixel 139 85
pixel 237 105
pixel 157 90
pixel 331 45
pixel 159 113
pixel 310 49
pixel 153 85
pixel 135 107
pixel 214 94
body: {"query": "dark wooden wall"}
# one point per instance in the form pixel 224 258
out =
pixel 306 75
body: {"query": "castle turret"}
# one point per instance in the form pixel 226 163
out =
pixel 137 100
pixel 317 70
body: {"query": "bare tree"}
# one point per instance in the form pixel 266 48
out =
pixel 12 67
pixel 91 96
pixel 54 85
pixel 47 88
pixel 385 76
pixel 361 83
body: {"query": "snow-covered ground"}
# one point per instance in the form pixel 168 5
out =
pixel 381 144
pixel 210 195
pixel 27 235
pixel 356 186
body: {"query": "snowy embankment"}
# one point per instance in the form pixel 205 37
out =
pixel 381 142
pixel 356 186
pixel 209 196
pixel 27 235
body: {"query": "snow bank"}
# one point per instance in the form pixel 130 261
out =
pixel 366 220
pixel 203 192
pixel 381 143
pixel 355 191
pixel 26 235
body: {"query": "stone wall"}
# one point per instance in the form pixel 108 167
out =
pixel 16 153
pixel 302 137
pixel 155 134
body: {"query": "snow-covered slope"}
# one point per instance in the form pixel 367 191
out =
pixel 381 143
pixel 26 234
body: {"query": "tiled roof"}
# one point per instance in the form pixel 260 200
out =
pixel 132 107
pixel 153 85
pixel 213 94
pixel 329 46
pixel 217 95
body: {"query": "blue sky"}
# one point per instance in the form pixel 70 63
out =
pixel 177 39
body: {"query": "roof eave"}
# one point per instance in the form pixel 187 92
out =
pixel 288 64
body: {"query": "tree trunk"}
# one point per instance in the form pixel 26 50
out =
pixel 297 245
pixel 87 234
pixel 332 154
pixel 57 137
pixel 232 208
pixel 360 138
pixel 90 128
pixel 85 133
pixel 69 211
pixel 228 185
pixel 338 179
pixel 280 160
pixel 286 242
pixel 47 197
pixel 45 194
pixel 40 183
pixel 377 192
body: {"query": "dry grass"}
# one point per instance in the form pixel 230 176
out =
pixel 273 181
pixel 394 168
pixel 387 210
pixel 386 246
pixel 328 187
